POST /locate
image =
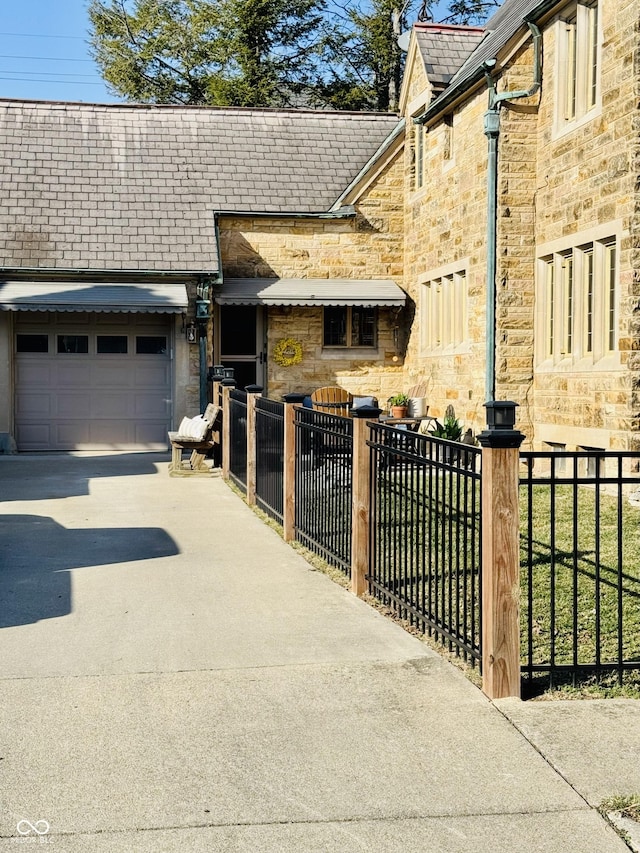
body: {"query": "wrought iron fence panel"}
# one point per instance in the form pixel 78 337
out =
pixel 580 576
pixel 270 456
pixel 426 545
pixel 324 454
pixel 238 437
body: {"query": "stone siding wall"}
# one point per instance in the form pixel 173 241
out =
pixel 586 183
pixel 367 246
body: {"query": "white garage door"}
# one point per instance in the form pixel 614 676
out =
pixel 92 381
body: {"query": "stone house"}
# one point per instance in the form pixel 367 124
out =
pixel 563 78
pixel 370 241
pixel 115 218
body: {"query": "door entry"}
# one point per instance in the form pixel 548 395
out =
pixel 242 343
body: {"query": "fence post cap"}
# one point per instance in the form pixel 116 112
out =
pixel 229 383
pixel 370 412
pixel 496 438
pixel 294 398
pixel 253 389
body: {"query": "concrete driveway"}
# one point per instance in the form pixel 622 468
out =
pixel 175 678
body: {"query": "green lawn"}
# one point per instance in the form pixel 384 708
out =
pixel 592 578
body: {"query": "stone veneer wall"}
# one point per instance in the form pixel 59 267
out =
pixel 547 188
pixel 368 246
pixel 587 180
pixel 445 226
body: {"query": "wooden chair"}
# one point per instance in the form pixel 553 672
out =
pixel 199 448
pixel 332 399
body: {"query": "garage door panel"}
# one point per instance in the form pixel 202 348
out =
pixel 148 405
pixel 152 434
pixel 34 405
pixel 153 375
pixel 113 375
pixel 70 375
pixel 93 401
pixel 76 405
pixel 34 373
pixel 114 406
pixel 33 436
pixel 70 434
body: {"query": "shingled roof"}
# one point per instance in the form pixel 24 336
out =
pixel 122 187
pixel 444 49
pixel 499 29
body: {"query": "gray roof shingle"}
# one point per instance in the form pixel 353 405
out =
pixel 506 22
pixel 444 48
pixel 130 188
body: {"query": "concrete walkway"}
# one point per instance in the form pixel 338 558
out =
pixel 173 677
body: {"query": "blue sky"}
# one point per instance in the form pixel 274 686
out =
pixel 44 53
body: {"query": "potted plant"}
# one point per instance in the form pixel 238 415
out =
pixel 450 428
pixel 398 405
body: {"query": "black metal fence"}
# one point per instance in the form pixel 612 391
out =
pixel 238 437
pixel 580 559
pixel 270 456
pixel 323 483
pixel 426 545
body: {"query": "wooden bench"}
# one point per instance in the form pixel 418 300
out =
pixel 198 448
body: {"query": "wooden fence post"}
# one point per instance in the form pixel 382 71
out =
pixel 289 466
pixel 253 391
pixel 361 499
pixel 500 552
pixel 227 385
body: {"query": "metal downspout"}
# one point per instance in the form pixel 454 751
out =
pixel 492 132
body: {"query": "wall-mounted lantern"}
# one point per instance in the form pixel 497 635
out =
pixel 192 333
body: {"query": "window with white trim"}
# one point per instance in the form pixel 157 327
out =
pixel 578 78
pixel 444 312
pixel 578 287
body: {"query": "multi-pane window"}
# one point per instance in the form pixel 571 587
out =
pixel 579 59
pixel 579 292
pixel 444 312
pixel 349 326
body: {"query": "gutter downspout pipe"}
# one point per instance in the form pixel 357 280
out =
pixel 492 132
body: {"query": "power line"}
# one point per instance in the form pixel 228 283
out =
pixel 41 36
pixel 49 73
pixel 46 58
pixel 57 82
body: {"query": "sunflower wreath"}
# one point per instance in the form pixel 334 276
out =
pixel 288 351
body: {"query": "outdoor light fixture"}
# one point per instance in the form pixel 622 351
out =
pixel 228 372
pixel 192 333
pixel 501 415
pixel 216 373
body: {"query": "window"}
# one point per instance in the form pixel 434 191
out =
pixel 578 288
pixel 32 343
pixel 349 326
pixel 111 344
pixel 447 150
pixel 444 312
pixel 73 343
pixel 578 62
pixel 151 345
pixel 419 152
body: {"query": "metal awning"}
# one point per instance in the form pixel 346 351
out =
pixel 310 292
pixel 165 298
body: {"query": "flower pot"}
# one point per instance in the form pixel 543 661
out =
pixel 399 411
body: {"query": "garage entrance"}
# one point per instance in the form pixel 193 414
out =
pixel 88 381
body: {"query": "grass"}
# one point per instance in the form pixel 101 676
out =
pixel 590 579
pixel 628 807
